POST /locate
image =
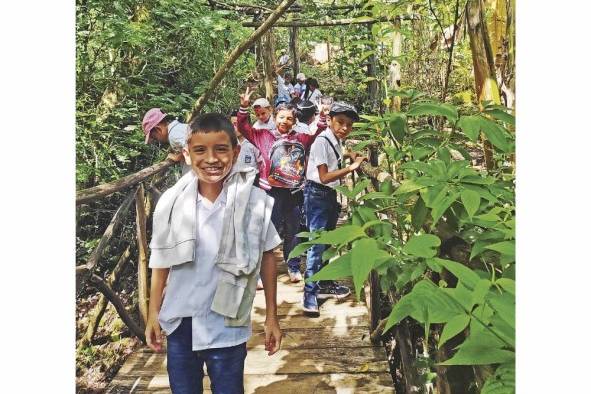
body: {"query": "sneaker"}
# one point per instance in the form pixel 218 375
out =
pixel 333 290
pixel 310 305
pixel 295 277
pixel 260 284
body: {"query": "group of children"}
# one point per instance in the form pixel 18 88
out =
pixel 215 230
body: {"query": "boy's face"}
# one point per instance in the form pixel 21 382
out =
pixel 262 113
pixel 284 121
pixel 211 155
pixel 341 125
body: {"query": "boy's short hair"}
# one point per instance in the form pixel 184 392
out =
pixel 340 107
pixel 287 107
pixel 212 123
pixel 306 110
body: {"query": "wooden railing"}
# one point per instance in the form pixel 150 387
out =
pixel 142 187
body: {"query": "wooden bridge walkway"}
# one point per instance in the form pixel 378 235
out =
pixel 328 354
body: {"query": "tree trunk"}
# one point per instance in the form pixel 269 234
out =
pixel 394 76
pixel 233 56
pixel 484 65
pixel 268 64
pixel 293 48
pixel 142 266
pixel 372 86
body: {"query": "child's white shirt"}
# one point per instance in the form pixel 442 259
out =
pixel 322 153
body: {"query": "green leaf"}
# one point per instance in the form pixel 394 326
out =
pixel 501 115
pixel 419 214
pixel 480 355
pixel 495 134
pixel 398 127
pixel 507 284
pixel 470 125
pixel 426 108
pixel 480 292
pixel 408 186
pixel 460 271
pixel 505 247
pixel 300 249
pixel 433 265
pixel 453 328
pixel 339 268
pixel 439 207
pixel 424 245
pixel 362 258
pixel 471 201
pixel 341 235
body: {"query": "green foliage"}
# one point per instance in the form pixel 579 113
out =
pixel 439 187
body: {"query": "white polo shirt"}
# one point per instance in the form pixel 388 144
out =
pixel 191 286
pixel 322 153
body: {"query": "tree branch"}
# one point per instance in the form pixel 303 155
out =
pixel 87 195
pixel 219 75
pixel 336 22
pixel 104 288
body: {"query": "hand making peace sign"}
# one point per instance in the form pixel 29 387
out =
pixel 245 98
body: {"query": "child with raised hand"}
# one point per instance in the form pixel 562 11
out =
pixel 283 171
pixel 212 233
pixel 324 172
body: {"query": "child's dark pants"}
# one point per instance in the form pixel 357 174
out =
pixel 225 366
pixel 286 215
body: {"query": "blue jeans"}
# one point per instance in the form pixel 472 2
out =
pixel 286 219
pixel 225 366
pixel 322 211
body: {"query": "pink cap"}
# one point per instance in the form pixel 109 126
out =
pixel 151 120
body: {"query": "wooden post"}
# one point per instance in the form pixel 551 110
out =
pixel 142 266
pixel 293 48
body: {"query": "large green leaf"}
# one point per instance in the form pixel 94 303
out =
pixel 495 134
pixel 408 186
pixel 424 245
pixel 398 127
pixel 363 256
pixel 460 271
pixel 471 201
pixel 480 355
pixel 419 214
pixel 426 108
pixel 339 268
pixel 470 125
pixel 453 327
pixel 439 207
pixel 501 115
pixel 505 247
pixel 341 235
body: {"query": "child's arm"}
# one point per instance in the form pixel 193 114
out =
pixel 153 333
pixel 242 118
pixel 327 177
pixel 269 277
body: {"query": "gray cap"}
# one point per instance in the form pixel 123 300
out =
pixel 341 107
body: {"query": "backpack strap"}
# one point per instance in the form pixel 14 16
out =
pixel 340 164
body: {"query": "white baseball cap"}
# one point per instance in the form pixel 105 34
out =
pixel 300 76
pixel 261 102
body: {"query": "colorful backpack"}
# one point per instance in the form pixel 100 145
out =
pixel 288 164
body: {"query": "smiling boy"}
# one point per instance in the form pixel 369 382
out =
pixel 212 233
